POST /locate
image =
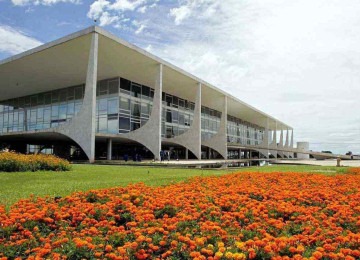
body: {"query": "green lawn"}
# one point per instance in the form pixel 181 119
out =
pixel 14 186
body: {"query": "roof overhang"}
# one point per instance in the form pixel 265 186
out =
pixel 63 63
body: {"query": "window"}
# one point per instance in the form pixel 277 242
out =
pixel 114 87
pixel 78 93
pixel 175 101
pixel 136 90
pixel 135 109
pixel 145 109
pixel 168 116
pixel 102 88
pixel 168 100
pixel 71 108
pixel 169 132
pixel 113 106
pixel 62 95
pixel 113 126
pixel 124 86
pixel 145 91
pixel 102 105
pixel 62 111
pixel 54 111
pixel 124 123
pixel 70 94
pixel 102 124
pixel 124 103
pixel 135 125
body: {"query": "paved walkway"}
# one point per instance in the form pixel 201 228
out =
pixel 329 162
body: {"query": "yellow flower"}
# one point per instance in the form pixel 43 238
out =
pixel 229 255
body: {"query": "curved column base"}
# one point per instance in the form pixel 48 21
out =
pixel 218 144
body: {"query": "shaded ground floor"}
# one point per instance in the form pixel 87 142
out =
pixel 111 149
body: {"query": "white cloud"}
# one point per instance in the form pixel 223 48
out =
pixel 126 5
pixel 194 8
pixel 97 9
pixel 140 29
pixel 142 9
pixel 114 12
pixel 106 19
pixel 43 2
pixel 149 48
pixel 14 41
pixel 181 13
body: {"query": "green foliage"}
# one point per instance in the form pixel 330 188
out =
pixel 13 162
pixel 167 210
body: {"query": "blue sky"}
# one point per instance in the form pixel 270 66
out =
pixel 296 60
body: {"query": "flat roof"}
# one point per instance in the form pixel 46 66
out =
pixel 95 29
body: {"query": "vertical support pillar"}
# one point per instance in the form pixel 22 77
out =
pixel 197 120
pixel 150 134
pixel 219 141
pixel 276 140
pixel 225 125
pixel 287 143
pixel 82 127
pixel 158 100
pixel 281 143
pixel 292 143
pixel 267 138
pixel 91 81
pixel 187 154
pixel 191 139
pixel 109 149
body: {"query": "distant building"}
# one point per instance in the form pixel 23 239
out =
pixel 92 95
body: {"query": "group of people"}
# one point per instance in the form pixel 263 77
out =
pixel 135 157
pixel 165 155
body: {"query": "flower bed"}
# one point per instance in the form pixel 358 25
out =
pixel 237 216
pixel 14 162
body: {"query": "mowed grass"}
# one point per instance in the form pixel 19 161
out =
pixel 19 185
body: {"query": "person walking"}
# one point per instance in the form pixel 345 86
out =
pixel 161 155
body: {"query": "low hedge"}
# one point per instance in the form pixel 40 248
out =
pixel 14 162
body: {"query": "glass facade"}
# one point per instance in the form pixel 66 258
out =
pixel 241 132
pixel 122 106
pixel 40 111
pixel 210 122
pixel 177 115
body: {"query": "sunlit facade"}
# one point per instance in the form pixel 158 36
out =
pixel 118 108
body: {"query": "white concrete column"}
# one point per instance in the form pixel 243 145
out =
pixel 158 100
pixel 186 154
pixel 287 143
pixel 82 126
pixel 191 139
pixel 219 141
pixel 287 138
pixel 292 143
pixel 265 143
pixel 273 144
pixel 281 143
pixel 150 134
pixel 109 149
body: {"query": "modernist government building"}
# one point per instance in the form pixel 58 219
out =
pixel 91 95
